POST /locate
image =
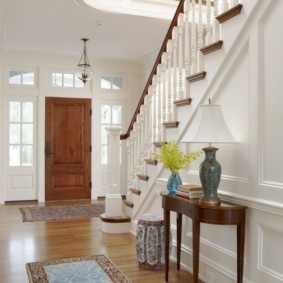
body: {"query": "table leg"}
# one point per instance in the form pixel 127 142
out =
pixel 179 238
pixel 196 236
pixel 167 241
pixel 240 251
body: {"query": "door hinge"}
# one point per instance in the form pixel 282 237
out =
pixel 90 112
pixel 90 185
pixel 90 148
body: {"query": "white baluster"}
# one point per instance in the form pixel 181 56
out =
pixel 180 86
pixel 215 23
pixel 146 129
pixel 150 123
pixel 208 38
pixel 193 40
pixel 164 94
pixel 200 63
pixel 154 107
pixel 138 144
pixel 159 105
pixel 131 182
pixel 170 105
pixel 233 3
pixel 224 6
pixel 175 45
pixel 187 37
pixel 142 162
pixel 135 181
pixel 130 167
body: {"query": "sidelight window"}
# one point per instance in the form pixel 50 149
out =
pixel 111 115
pixel 21 133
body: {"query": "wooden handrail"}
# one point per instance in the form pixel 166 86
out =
pixel 180 9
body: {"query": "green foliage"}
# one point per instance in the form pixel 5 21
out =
pixel 173 158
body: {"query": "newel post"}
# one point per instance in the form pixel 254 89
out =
pixel 114 189
pixel 114 220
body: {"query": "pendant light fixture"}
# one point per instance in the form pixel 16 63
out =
pixel 84 71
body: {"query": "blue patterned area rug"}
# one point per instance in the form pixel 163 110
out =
pixel 92 269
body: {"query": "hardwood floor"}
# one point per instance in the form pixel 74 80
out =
pixel 37 241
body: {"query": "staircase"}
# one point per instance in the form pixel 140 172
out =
pixel 199 41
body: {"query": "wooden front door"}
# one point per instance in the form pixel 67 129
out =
pixel 67 148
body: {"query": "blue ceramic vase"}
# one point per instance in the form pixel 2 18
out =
pixel 173 182
pixel 210 173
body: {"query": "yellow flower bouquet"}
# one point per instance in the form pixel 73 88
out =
pixel 174 159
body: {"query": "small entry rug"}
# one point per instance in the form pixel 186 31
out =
pixel 50 213
pixel 92 269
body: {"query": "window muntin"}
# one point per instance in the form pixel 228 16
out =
pixel 21 133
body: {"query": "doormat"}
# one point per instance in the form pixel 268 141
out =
pixel 89 269
pixel 52 213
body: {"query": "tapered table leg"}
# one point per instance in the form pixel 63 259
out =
pixel 179 238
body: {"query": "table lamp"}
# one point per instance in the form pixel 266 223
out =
pixel 211 129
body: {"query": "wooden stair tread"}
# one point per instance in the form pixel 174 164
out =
pixel 183 102
pixel 135 191
pixel 115 219
pixel 230 13
pixel 143 177
pixel 169 125
pixel 128 203
pixel 151 161
pixel 212 47
pixel 158 144
pixel 196 77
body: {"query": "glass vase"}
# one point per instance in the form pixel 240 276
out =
pixel 173 182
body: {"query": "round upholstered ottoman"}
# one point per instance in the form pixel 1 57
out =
pixel 150 241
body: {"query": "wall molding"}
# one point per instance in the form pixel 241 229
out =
pixel 265 269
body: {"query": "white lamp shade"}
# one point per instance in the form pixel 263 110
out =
pixel 212 127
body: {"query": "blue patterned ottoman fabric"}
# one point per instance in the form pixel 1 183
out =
pixel 150 241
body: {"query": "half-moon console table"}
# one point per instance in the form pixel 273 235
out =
pixel 224 214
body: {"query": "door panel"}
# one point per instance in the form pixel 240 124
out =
pixel 67 148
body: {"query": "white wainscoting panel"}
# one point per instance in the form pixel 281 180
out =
pixel 270 247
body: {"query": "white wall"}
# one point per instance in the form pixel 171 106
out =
pixel 130 71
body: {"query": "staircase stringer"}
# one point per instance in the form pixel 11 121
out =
pixel 208 87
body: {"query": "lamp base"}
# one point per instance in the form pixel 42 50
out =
pixel 210 201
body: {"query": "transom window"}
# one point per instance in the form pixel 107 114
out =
pixel 21 78
pixel 111 83
pixel 21 133
pixel 66 80
pixel 111 115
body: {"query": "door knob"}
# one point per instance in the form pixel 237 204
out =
pixel 48 150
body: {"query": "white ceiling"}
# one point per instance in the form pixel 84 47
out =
pixel 56 26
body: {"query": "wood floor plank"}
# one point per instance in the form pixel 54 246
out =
pixel 38 241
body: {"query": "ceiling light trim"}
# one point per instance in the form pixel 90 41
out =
pixel 161 9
